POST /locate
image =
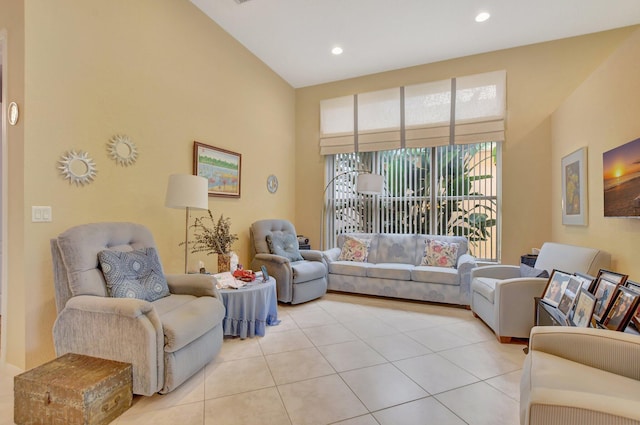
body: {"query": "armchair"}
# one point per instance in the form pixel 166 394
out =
pixel 166 340
pixel 580 376
pixel 505 301
pixel 301 275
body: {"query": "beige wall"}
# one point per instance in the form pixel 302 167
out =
pixel 539 78
pixel 601 114
pixel 164 74
pixel 14 297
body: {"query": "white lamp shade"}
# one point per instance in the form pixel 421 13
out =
pixel 370 184
pixel 187 191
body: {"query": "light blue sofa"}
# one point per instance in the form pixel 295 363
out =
pixel 392 269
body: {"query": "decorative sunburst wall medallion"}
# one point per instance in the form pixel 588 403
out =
pixel 122 150
pixel 77 167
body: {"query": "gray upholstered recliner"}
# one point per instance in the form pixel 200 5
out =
pixel 301 275
pixel 504 300
pixel 166 340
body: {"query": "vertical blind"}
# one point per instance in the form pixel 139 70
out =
pixel 416 116
pixel 444 190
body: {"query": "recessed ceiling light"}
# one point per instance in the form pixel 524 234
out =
pixel 336 51
pixel 482 16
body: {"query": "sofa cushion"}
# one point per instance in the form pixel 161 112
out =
pixel 349 268
pixel 485 286
pixel 440 253
pixel 354 249
pixel 284 245
pixel 185 318
pixel 133 274
pixel 304 271
pixel 393 248
pixel 429 274
pixel 390 271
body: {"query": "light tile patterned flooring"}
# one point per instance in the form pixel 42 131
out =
pixel 344 360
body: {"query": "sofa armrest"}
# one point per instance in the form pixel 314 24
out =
pixel 466 263
pixel 614 352
pixel 515 304
pixel 105 327
pixel 496 272
pixel 269 258
pixel 331 255
pixel 312 255
pixel 200 285
pixel 280 268
pixel 125 307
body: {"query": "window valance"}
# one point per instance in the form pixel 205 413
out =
pixel 416 116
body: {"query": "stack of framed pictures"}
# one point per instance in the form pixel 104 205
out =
pixel 608 300
pixel 560 292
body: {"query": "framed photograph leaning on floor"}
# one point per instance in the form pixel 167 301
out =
pixel 588 281
pixel 621 309
pixel 556 285
pixel 585 302
pixel 569 296
pixel 604 293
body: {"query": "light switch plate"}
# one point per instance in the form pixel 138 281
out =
pixel 41 214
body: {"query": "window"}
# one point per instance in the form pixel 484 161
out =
pixel 437 145
pixel 443 190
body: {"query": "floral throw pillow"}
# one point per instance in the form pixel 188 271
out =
pixel 354 249
pixel 440 254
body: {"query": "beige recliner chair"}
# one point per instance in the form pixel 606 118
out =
pixel 577 376
pixel 166 340
pixel 505 301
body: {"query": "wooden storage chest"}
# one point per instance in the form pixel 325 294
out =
pixel 72 389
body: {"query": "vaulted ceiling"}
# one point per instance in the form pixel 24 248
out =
pixel 295 37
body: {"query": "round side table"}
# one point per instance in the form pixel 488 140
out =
pixel 250 309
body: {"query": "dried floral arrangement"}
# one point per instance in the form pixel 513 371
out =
pixel 211 236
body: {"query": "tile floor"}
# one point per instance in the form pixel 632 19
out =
pixel 344 360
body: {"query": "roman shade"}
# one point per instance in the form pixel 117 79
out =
pixel 416 116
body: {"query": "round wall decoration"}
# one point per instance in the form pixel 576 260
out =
pixel 77 167
pixel 272 183
pixel 122 150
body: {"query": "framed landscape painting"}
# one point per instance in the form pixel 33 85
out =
pixel 574 188
pixel 621 180
pixel 220 167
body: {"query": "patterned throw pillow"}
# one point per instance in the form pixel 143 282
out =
pixel 134 274
pixel 440 254
pixel 284 245
pixel 354 249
